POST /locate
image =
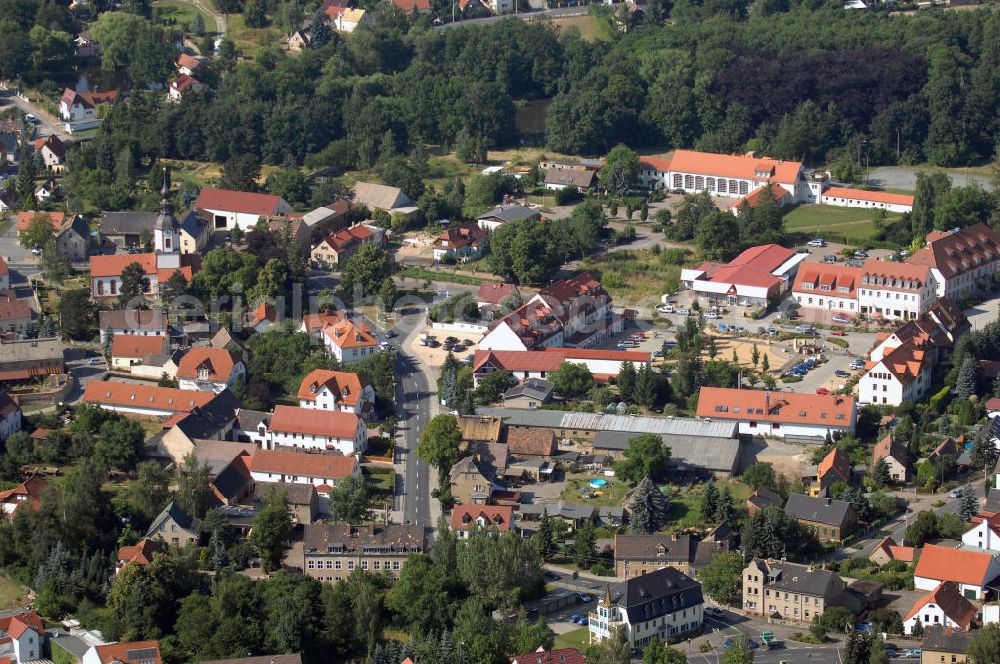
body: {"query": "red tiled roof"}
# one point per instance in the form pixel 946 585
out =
pixel 188 62
pixel 218 361
pixel 948 597
pixel 890 447
pixel 238 201
pixel 993 404
pixel 658 164
pixel 832 275
pixel 898 276
pixel 753 198
pixel 958 565
pixel 13 309
pixel 742 166
pixel 753 267
pixel 837 463
pixel 134 345
pixel 348 237
pixel 112 266
pixel 316 322
pixel 57 219
pixel 87 99
pixel 17 624
pixel 141 552
pixel 905 362
pixel 28 492
pixel 460 236
pixel 549 359
pixel 496 516
pixel 559 656
pixel 282 462
pixel 314 422
pixel 872 196
pixel 348 334
pixel 145 396
pixel 959 252
pixel 783 407
pixel 492 293
pixel 132 652
pixel 184 82
pixel 263 312
pixel 907 554
pixel 409 6
pixel 346 386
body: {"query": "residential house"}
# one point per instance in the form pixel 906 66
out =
pixel 780 414
pixel 490 518
pixel 263 316
pixel 157 268
pixel 413 6
pixel 984 534
pixel 665 604
pixel 382 197
pixel 312 429
pixel 573 515
pixel 48 189
pixel 887 550
pixel 295 229
pixel 961 260
pixel 298 41
pixel 302 499
pixel 789 591
pixel 350 18
pixel 527 365
pixel 557 179
pixel 332 552
pixel 53 153
pixel 470 483
pixel 557 656
pixel 479 430
pixel 830 520
pixel 29 493
pixel 532 393
pixel 77 107
pixel 461 243
pixel 492 296
pixel 322 389
pixel 26 359
pixel 349 341
pixel 127 230
pixel 130 349
pixel 15 314
pixel 147 400
pixel 86 45
pixel 531 443
pixel 10 416
pixel 328 218
pixel 314 323
pixel 972 571
pixel 141 553
pixel 896 456
pixel 756 278
pixel 22 634
pixel 941 644
pixel 762 499
pixel 340 246
pixel 141 322
pixel 727 175
pixel 238 209
pixel 503 214
pixel 234 483
pixel 866 198
pixel 195 232
pixel 324 471
pixel 636 555
pixel 572 313
pixel 209 370
pixel 8 197
pixel 944 606
pixel 73 239
pixel 834 467
pixel 56 219
pixel 132 652
pixel 188 64
pixel 174 526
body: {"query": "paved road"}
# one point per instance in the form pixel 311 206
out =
pixel 48 124
pixel 524 16
pixel 416 403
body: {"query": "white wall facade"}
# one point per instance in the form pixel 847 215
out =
pixel 896 304
pixel 862 203
pixel 881 386
pixel 502 337
pixel 641 633
pixel 825 299
pixel 226 220
pixel 967 590
pixel 203 385
pixel 982 537
pixel 929 614
pixel 346 446
pixel 349 355
pixel 780 430
pixel 264 476
pixel 328 400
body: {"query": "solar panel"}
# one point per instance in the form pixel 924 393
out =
pixel 141 654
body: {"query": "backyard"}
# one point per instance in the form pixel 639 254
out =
pixel 854 224
pixel 578 489
pixel 11 593
pixel 577 638
pixel 181 14
pixel 685 502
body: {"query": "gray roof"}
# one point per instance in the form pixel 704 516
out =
pixel 318 216
pixel 230 482
pixel 295 494
pixel 179 516
pixel 127 223
pixel 74 645
pixel 380 197
pixel 716 454
pixel 570 177
pixel 666 547
pixel 31 349
pixel 510 213
pixel 323 538
pixel 819 510
pixel 656 594
pixel 192 224
pixel 798 578
pixel 217 454
pixel 133 319
pixel 563 419
pixel 572 511
pixel 939 639
pixel 208 420
pixel 534 388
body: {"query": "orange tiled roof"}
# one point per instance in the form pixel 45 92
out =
pixel 743 166
pixel 783 407
pixel 314 422
pixel 346 386
pixel 316 322
pixel 837 463
pixel 348 334
pixel 145 396
pixel 132 652
pixel 282 462
pixel 958 565
pixel 17 624
pixel 24 219
pixel 141 552
pixel 496 516
pixel 28 492
pixel 247 202
pixel 959 252
pixel 549 359
pixel 134 345
pixel 217 361
pixel 890 447
pixel 828 275
pixel 348 237
pixel 872 196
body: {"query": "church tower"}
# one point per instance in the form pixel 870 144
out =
pixel 166 233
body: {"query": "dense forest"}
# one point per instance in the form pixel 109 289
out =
pixel 802 80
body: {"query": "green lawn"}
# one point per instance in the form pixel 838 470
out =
pixel 11 594
pixel 590 29
pixel 685 505
pixel 181 13
pixel 380 480
pixel 614 491
pixel 434 275
pixel 855 224
pixel 578 638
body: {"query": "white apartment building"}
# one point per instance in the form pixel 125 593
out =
pixel 323 471
pixel 960 259
pixel 311 429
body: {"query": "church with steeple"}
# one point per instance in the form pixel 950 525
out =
pixel 159 266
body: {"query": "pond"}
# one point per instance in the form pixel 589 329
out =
pixel 529 119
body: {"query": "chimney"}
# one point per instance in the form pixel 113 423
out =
pixel 767 402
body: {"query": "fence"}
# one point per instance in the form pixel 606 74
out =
pixel 50 396
pixel 467 328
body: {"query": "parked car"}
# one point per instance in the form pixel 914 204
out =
pixel 858 364
pixel 665 309
pixel 723 327
pixel 844 320
pixel 861 253
pixel 683 312
pixel 803 250
pixel 830 258
pixel 584 597
pixel 818 242
pixel 773 331
pixel 551 576
pixel 837 333
pixel 840 373
pixel 714 612
pixel 822 390
pixel 955 493
pixel 677 191
pixel 711 315
pixel 95 360
pixel 658 353
pixel 584 621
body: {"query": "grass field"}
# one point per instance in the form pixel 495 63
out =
pixel 434 275
pixel 634 277
pixel 247 39
pixel 853 223
pixel 380 480
pixel 613 491
pixel 11 594
pixel 181 13
pixel 577 638
pixel 685 507
pixel 588 26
